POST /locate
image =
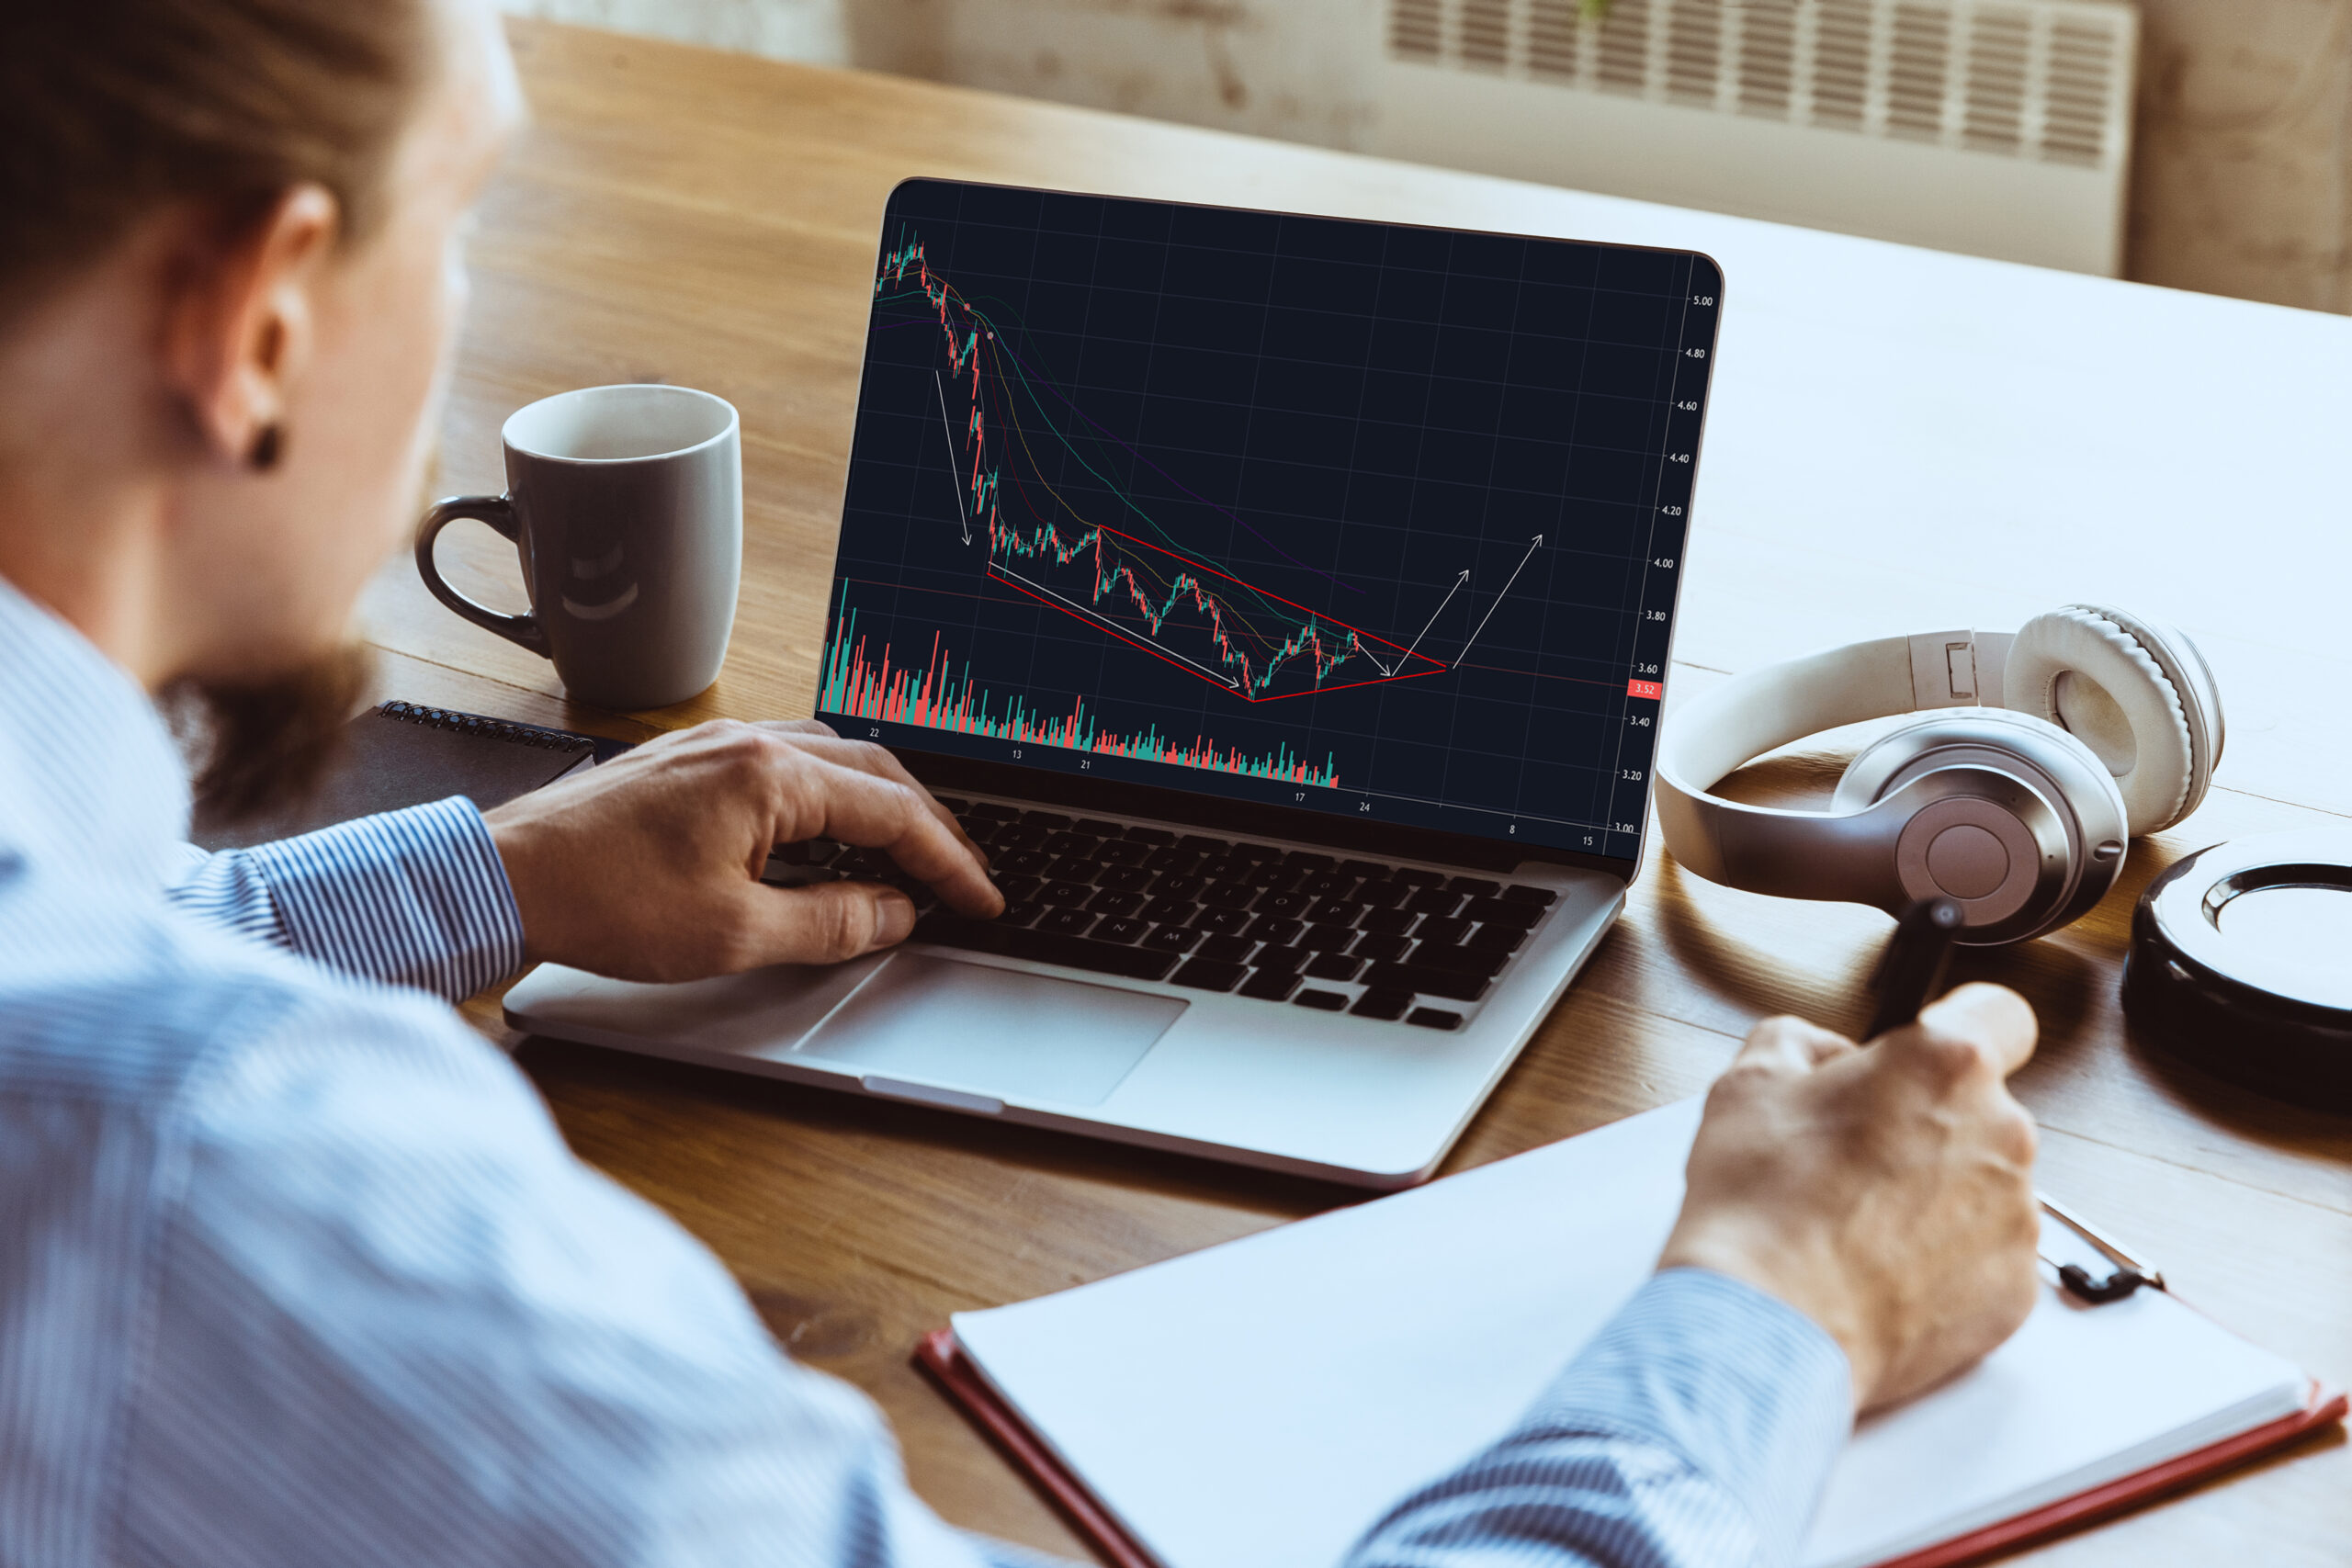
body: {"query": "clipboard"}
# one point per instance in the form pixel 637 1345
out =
pixel 1127 1400
pixel 943 1359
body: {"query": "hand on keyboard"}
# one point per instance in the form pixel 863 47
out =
pixel 648 867
pixel 1149 903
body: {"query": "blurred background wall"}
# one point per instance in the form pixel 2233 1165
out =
pixel 2242 170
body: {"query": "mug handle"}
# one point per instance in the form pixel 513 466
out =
pixel 497 511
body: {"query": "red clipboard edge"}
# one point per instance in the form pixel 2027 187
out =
pixel 2324 1408
pixel 944 1359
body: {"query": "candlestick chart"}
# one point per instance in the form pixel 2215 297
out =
pixel 1348 516
pixel 1179 607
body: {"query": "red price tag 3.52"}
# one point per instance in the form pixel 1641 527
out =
pixel 1650 689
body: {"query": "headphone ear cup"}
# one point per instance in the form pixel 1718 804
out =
pixel 2192 683
pixel 2013 879
pixel 2120 686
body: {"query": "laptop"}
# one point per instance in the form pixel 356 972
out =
pixel 1284 604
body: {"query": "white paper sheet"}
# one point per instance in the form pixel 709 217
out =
pixel 1258 1405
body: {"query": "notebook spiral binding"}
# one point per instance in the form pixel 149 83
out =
pixel 489 729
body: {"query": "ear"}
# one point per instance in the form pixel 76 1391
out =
pixel 239 327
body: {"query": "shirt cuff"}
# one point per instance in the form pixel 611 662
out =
pixel 416 897
pixel 1747 1390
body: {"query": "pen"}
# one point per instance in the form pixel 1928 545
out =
pixel 1907 975
pixel 1913 963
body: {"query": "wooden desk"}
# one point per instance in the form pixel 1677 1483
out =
pixel 1900 440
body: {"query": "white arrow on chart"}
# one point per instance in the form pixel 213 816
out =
pixel 1392 668
pixel 1219 675
pixel 1499 598
pixel 949 425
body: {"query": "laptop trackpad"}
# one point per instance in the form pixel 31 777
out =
pixel 998 1032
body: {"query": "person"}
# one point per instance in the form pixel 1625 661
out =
pixel 294 1267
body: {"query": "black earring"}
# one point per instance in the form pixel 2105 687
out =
pixel 269 446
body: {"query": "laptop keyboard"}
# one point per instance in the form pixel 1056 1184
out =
pixel 1278 925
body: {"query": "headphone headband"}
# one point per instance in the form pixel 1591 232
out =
pixel 2081 728
pixel 1749 715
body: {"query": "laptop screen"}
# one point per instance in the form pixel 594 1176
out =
pixel 1364 519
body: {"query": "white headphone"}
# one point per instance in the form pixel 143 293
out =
pixel 2086 726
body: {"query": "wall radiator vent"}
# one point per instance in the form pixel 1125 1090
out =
pixel 1997 127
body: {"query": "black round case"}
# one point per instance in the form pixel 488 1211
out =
pixel 2257 992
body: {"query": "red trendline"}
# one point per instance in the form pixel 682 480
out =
pixel 1312 616
pixel 1349 685
pixel 1203 566
pixel 1165 658
pixel 1174 663
pixel 1111 569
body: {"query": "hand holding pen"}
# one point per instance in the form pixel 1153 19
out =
pixel 1886 1191
pixel 1910 974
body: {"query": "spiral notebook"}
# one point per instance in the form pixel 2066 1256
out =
pixel 400 754
pixel 1258 1405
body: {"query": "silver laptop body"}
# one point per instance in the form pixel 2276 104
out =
pixel 1284 604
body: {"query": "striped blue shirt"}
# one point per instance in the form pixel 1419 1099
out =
pixel 294 1267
